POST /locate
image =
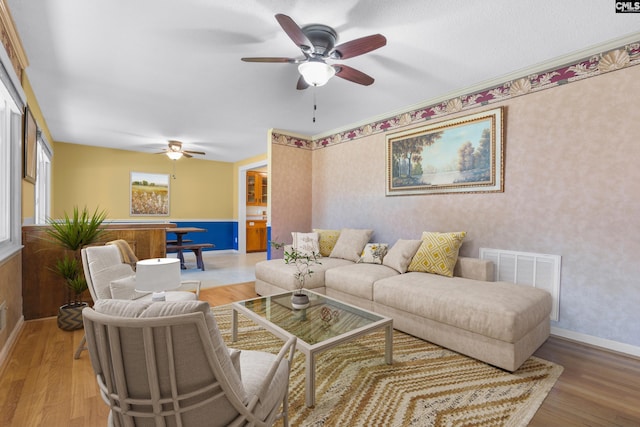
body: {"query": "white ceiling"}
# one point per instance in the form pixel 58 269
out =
pixel 133 74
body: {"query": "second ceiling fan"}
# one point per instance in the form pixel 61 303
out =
pixel 317 43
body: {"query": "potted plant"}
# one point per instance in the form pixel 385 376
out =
pixel 73 233
pixel 303 262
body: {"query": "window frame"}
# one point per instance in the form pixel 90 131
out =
pixel 15 98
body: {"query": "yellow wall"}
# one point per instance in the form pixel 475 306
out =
pixel 28 189
pixel 100 177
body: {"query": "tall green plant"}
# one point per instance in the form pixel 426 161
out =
pixel 73 233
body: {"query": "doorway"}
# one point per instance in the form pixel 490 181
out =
pixel 242 203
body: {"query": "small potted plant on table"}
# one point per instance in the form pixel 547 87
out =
pixel 74 233
pixel 303 262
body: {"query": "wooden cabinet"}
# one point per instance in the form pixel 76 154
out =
pixel 257 185
pixel 256 236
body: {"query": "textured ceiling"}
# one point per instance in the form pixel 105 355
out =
pixel 134 74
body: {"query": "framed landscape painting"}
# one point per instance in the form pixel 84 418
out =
pixel 463 155
pixel 149 194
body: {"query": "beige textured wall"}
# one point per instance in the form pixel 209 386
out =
pixel 290 170
pixel 571 188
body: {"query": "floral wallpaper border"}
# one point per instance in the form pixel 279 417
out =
pixel 592 66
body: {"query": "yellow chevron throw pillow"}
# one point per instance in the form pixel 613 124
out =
pixel 438 253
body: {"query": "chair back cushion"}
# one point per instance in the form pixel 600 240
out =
pixel 178 350
pixel 104 265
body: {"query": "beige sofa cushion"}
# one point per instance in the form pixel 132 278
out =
pixel 351 243
pixel 399 256
pixel 499 310
pixel 282 275
pixel 357 279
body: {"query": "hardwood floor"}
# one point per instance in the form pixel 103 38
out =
pixel 42 385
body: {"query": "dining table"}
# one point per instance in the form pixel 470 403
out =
pixel 179 244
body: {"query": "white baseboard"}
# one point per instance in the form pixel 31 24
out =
pixel 616 346
pixel 4 353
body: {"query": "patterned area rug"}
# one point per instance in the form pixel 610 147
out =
pixel 426 386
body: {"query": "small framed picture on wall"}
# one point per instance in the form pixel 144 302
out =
pixel 30 144
pixel 149 194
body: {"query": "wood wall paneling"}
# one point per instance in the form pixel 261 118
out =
pixel 43 291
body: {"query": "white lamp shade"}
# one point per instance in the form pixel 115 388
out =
pixel 316 73
pixel 157 274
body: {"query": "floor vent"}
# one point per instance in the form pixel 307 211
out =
pixel 524 268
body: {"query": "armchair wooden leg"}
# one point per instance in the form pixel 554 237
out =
pixel 81 346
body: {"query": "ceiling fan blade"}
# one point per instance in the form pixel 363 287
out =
pixel 187 155
pixel 353 75
pixel 302 84
pixel 294 32
pixel 359 46
pixel 269 59
pixel 194 152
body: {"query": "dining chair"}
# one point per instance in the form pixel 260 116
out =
pixel 166 364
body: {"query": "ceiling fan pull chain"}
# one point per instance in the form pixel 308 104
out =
pixel 314 104
pixel 174 170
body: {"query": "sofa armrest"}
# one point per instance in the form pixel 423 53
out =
pixel 474 268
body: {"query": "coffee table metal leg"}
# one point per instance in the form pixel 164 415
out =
pixel 388 344
pixel 234 325
pixel 310 380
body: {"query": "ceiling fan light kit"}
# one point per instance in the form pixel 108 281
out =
pixel 174 151
pixel 174 155
pixel 317 43
pixel 316 73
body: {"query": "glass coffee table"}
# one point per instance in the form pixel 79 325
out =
pixel 325 324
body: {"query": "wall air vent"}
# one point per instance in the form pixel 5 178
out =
pixel 524 268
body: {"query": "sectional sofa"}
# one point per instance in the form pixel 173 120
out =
pixel 458 306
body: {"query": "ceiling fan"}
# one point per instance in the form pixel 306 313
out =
pixel 175 151
pixel 318 44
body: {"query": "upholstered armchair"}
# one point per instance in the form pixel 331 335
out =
pixel 110 277
pixel 165 363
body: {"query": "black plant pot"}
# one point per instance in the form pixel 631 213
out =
pixel 70 316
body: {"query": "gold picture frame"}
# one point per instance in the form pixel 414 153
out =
pixel 463 155
pixel 30 146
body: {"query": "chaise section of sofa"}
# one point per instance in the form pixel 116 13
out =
pixel 496 322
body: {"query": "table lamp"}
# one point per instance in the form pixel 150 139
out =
pixel 158 275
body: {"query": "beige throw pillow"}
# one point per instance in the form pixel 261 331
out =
pixel 125 288
pixel 399 256
pixel 305 243
pixel 351 243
